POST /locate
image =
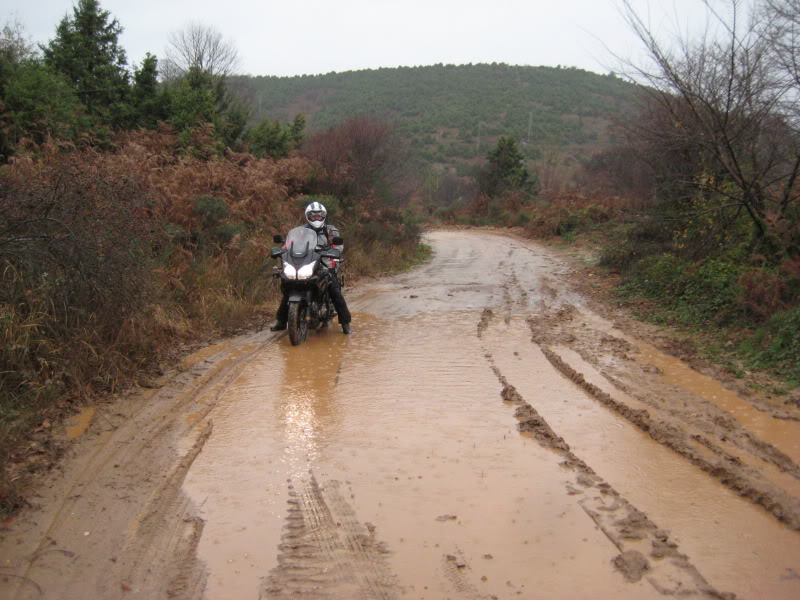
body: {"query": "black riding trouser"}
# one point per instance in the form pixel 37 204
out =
pixel 335 290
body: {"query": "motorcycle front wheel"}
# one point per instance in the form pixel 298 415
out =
pixel 298 322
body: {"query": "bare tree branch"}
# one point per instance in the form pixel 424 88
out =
pixel 201 46
pixel 723 109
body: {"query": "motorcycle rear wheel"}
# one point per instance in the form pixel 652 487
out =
pixel 298 322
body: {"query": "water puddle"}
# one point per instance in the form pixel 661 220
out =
pixel 407 430
pixel 387 459
pixel 77 425
pixel 752 559
pixel 783 434
pixel 780 478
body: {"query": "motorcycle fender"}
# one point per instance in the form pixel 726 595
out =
pixel 295 297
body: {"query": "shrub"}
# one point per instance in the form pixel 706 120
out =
pixel 712 291
pixel 762 292
pixel 776 344
pixel 702 292
pixel 658 276
pixel 645 237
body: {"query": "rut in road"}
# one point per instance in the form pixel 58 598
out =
pixel 668 570
pixel 325 552
pixel 706 443
pixel 738 458
pixel 715 444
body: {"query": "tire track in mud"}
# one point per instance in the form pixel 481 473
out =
pixel 733 436
pixel 486 319
pixel 150 550
pixel 455 566
pixel 514 296
pixel 776 501
pixel 668 570
pixel 717 423
pixel 325 552
pixel 734 432
pixel 158 554
pixel 690 437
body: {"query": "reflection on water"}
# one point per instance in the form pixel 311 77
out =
pixel 306 406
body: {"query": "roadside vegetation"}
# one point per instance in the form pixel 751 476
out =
pixel 137 209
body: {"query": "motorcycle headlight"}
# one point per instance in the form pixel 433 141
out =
pixel 289 271
pixel 306 271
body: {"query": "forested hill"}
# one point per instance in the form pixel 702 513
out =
pixel 443 109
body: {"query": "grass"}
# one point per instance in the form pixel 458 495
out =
pixel 423 254
pixel 723 334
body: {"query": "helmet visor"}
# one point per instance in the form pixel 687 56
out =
pixel 316 215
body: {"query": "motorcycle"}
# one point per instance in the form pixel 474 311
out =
pixel 305 278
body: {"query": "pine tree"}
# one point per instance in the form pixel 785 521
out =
pixel 149 102
pixel 297 129
pixel 506 170
pixel 36 103
pixel 268 138
pixel 86 51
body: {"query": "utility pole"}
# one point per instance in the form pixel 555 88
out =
pixel 530 124
pixel 478 143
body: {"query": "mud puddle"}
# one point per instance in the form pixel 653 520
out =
pixel 77 424
pixel 760 425
pixel 433 491
pixel 771 472
pixel 783 434
pixel 756 558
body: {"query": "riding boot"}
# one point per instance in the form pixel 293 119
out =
pixel 339 303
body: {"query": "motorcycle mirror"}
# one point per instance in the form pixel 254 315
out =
pixel 338 240
pixel 277 251
pixel 277 238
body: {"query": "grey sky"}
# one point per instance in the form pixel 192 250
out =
pixel 318 36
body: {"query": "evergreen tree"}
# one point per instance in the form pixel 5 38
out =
pixel 270 138
pixel 297 129
pixel 86 50
pixel 194 100
pixel 36 102
pixel 232 123
pixel 506 170
pixel 149 102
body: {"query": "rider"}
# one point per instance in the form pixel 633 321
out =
pixel 315 215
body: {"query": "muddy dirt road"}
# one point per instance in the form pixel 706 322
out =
pixel 483 434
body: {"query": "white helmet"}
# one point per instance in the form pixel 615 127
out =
pixel 315 215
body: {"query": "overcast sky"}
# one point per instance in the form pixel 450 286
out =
pixel 318 36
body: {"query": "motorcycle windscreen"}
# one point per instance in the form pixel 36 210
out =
pixel 301 242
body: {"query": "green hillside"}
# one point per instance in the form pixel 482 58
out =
pixel 452 113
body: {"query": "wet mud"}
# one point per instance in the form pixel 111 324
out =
pixel 482 434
